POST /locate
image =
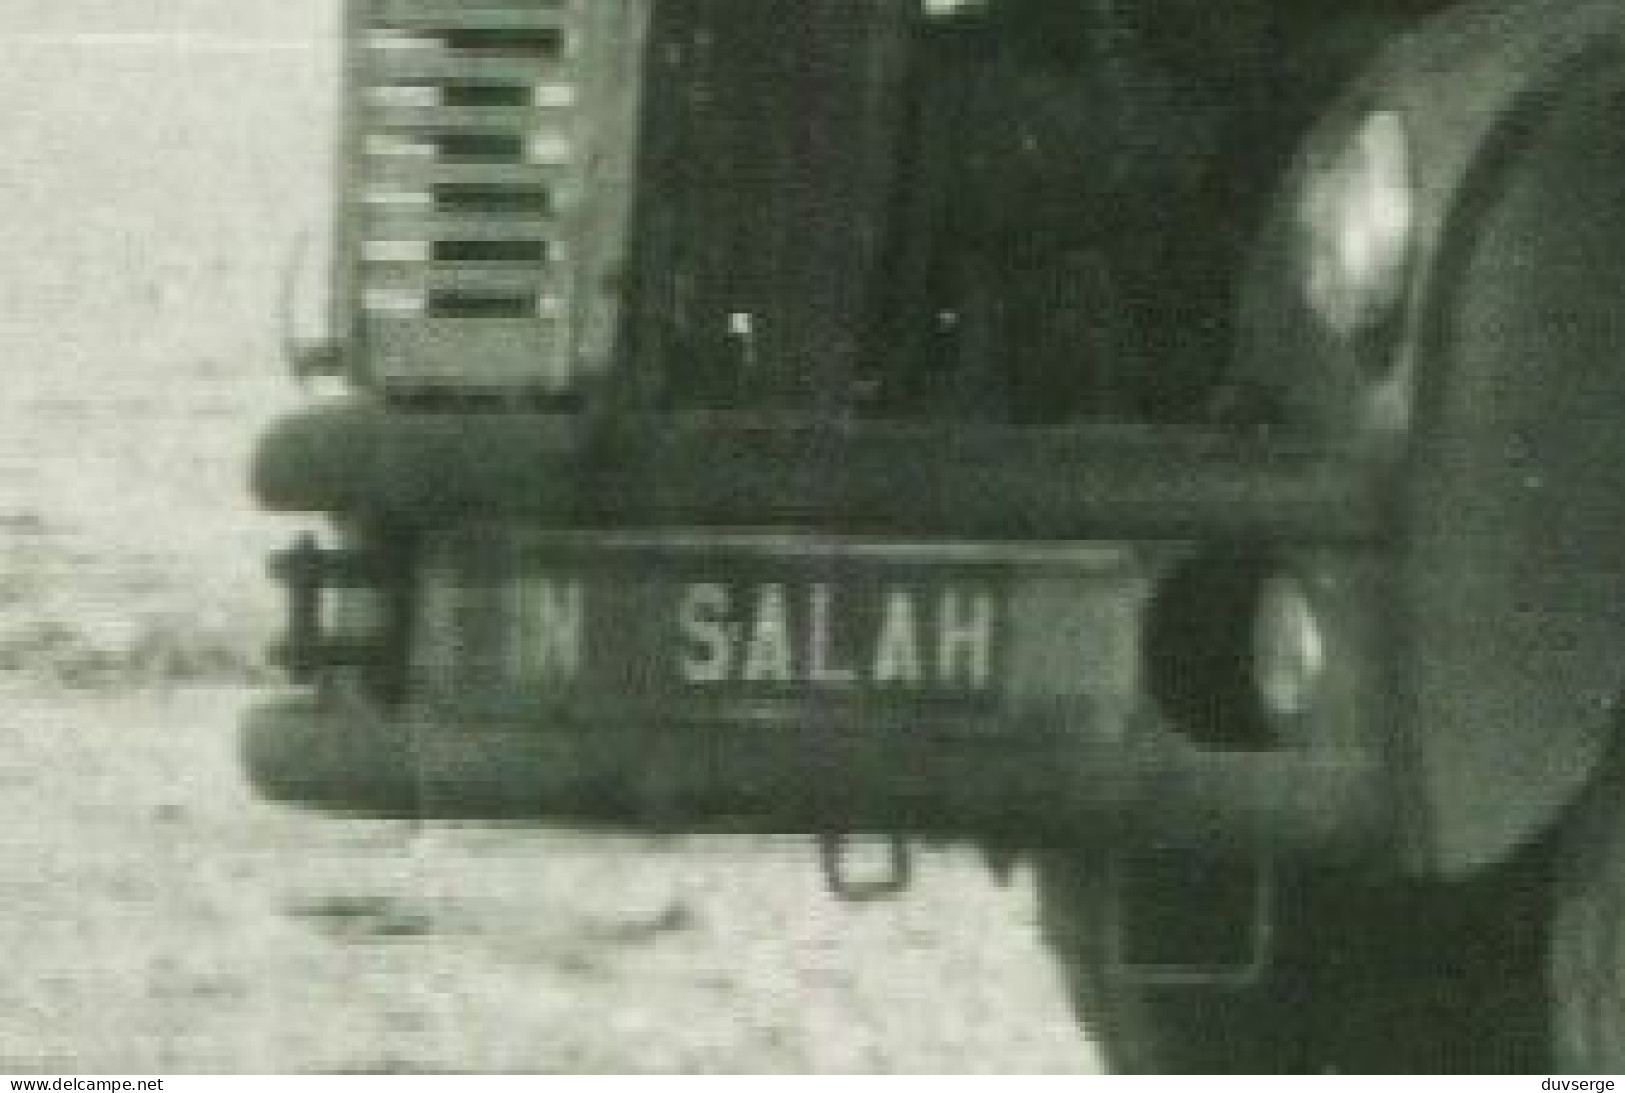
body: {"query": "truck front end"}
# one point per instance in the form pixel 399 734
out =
pixel 1037 422
pixel 653 504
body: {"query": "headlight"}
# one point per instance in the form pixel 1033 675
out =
pixel 951 9
pixel 1357 213
pixel 1289 648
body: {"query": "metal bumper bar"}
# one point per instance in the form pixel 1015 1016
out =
pixel 949 480
pixel 1027 785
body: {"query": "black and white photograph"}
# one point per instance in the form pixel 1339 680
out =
pixel 834 537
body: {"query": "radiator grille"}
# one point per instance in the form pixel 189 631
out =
pixel 490 150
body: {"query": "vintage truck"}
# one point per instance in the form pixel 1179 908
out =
pixel 1181 442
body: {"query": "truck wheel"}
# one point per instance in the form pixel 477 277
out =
pixel 1587 936
pixel 1364 978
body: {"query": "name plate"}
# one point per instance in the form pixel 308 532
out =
pixel 836 624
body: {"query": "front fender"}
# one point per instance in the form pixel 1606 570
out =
pixel 1496 399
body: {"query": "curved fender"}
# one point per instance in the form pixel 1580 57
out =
pixel 1497 398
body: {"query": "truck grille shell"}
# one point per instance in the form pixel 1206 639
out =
pixel 488 164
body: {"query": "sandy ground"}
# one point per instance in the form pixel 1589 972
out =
pixel 161 158
pixel 157 918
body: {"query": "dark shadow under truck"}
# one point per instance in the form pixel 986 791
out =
pixel 1177 441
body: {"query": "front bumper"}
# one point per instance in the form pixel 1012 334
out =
pixel 334 749
pixel 944 480
pixel 453 738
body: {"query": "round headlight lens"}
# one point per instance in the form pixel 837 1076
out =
pixel 1289 648
pixel 1358 212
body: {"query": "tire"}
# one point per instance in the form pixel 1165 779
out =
pixel 1587 935
pixel 1365 977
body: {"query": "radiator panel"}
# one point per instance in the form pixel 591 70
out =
pixel 489 159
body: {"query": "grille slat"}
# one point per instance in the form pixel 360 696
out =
pixel 434 66
pixel 491 150
pixel 431 16
pixel 425 171
pixel 461 119
pixel 395 10
pixel 476 277
pixel 412 224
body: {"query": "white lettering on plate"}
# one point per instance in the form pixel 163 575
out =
pixel 767 646
pixel 548 619
pixel 707 650
pixel 897 650
pixel 965 639
pixel 823 665
pixel 891 637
